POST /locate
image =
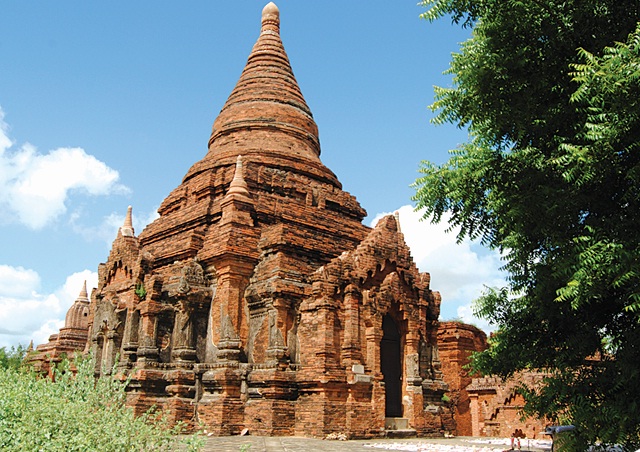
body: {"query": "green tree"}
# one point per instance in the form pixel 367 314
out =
pixel 12 358
pixel 550 176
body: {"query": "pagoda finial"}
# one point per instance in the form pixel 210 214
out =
pixel 396 215
pixel 83 296
pixel 271 18
pixel 238 186
pixel 127 228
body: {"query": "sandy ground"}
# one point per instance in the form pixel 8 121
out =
pixel 292 444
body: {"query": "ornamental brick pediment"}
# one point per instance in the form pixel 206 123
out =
pixel 382 253
pixel 187 277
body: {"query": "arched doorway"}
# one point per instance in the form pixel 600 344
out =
pixel 391 366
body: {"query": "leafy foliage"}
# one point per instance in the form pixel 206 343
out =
pixel 140 291
pixel 74 413
pixel 12 358
pixel 550 176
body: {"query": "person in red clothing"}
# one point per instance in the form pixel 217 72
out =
pixel 515 438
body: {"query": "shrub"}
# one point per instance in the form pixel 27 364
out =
pixel 12 358
pixel 75 412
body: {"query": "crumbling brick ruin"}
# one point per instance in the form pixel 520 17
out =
pixel 482 405
pixel 456 342
pixel 495 406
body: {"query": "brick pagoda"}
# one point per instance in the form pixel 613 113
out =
pixel 258 299
pixel 71 339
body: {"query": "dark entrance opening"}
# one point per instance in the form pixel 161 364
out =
pixel 390 364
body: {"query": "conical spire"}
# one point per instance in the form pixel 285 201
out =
pixel 267 96
pixel 83 296
pixel 265 118
pixel 127 228
pixel 238 186
pixel 267 83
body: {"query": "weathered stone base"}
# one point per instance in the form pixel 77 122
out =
pixel 320 410
pixel 168 392
pixel 270 417
pixel 221 409
pixel 226 399
pixel 222 416
pixel 270 406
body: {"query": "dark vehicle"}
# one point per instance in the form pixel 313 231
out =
pixel 558 432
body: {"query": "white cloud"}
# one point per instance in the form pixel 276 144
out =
pixel 459 272
pixel 34 187
pixel 107 230
pixel 17 281
pixel 26 313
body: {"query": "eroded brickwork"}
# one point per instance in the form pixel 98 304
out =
pixel 456 342
pixel 482 405
pixel 496 406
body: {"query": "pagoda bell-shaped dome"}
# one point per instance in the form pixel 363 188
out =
pixel 266 118
pixel 78 314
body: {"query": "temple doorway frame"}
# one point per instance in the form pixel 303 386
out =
pixel 391 366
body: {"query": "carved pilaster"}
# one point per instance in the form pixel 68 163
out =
pixel 110 349
pixel 183 350
pixel 374 336
pixel 229 344
pixel 276 350
pixel 351 350
pixel 130 337
pixel 148 350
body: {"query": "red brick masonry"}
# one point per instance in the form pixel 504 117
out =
pixel 259 300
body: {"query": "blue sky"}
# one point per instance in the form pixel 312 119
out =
pixel 106 105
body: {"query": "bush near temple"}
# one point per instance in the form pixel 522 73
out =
pixel 12 358
pixel 75 412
